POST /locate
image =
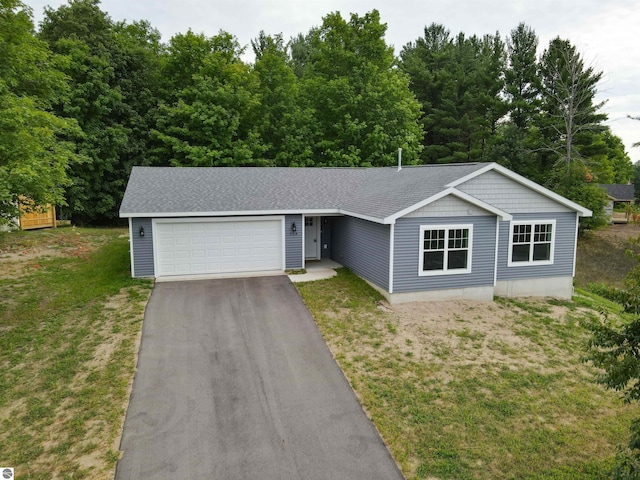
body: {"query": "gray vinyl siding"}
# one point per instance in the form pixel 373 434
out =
pixel 143 265
pixel 406 254
pixel 562 254
pixel 325 236
pixel 509 195
pixel 448 206
pixel 293 242
pixel 363 247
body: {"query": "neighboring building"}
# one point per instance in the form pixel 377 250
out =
pixel 618 193
pixel 39 217
pixel 429 232
pixel 32 217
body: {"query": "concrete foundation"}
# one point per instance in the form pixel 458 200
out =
pixel 559 287
pixel 475 293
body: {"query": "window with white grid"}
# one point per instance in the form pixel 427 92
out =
pixel 531 243
pixel 445 249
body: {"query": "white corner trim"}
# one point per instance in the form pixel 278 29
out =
pixel 154 247
pixel 283 242
pixel 133 272
pixel 456 193
pixel 301 226
pixel 583 212
pixel 391 248
pixel 575 245
pixel 495 261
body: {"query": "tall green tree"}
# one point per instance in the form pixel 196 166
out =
pixel 284 123
pixel 112 70
pixel 211 114
pixel 569 88
pixel 522 83
pixel 35 145
pixel 362 107
pixel 570 123
pixel 518 137
pixel 459 82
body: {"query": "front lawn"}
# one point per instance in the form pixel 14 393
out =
pixel 70 317
pixel 474 390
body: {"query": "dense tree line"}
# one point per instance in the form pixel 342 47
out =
pixel 84 98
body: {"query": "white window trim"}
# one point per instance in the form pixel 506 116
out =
pixel 511 263
pixel 457 271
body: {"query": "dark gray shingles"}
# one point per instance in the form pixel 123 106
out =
pixel 376 192
pixel 620 192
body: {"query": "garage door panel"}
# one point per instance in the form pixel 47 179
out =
pixel 189 248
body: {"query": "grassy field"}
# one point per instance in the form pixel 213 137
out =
pixel 462 390
pixel 482 390
pixel 70 317
pixel 601 255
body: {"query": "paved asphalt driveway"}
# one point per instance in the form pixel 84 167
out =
pixel 234 381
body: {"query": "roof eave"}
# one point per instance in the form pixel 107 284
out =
pixel 230 213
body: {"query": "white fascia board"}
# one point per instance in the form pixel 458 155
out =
pixel 233 213
pixel 466 178
pixel 583 212
pixel 364 217
pixel 457 193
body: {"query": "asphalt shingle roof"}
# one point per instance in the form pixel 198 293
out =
pixel 375 192
pixel 620 192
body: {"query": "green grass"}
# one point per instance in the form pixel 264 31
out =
pixel 69 317
pixel 510 400
pixel 452 401
pixel 601 258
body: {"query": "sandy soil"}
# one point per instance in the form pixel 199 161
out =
pixel 619 232
pixel 487 332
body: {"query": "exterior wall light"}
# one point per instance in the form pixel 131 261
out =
pixel 293 227
pixel 141 231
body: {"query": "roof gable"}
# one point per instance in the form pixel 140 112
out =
pixel 529 193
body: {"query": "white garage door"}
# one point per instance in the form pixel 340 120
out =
pixel 211 247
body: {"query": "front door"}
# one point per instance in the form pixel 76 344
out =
pixel 311 237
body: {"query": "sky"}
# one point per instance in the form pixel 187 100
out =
pixel 604 31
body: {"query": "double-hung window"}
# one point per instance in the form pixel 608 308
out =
pixel 445 249
pixel 531 243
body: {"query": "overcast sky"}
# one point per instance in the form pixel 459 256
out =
pixel 605 31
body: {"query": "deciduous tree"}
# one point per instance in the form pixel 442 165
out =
pixel 112 70
pixel 362 108
pixel 212 112
pixel 35 144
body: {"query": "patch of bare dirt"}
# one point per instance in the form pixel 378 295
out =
pixel 620 232
pixel 483 333
pixel 18 258
pixel 121 313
